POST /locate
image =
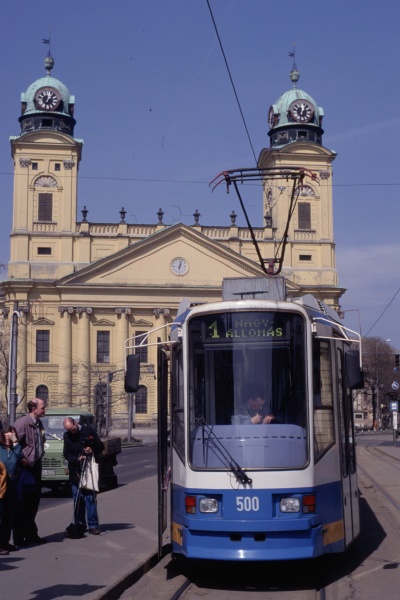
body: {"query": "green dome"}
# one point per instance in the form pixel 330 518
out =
pixel 46 81
pixel 295 116
pixel 28 97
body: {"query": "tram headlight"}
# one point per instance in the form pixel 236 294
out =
pixel 290 505
pixel 208 505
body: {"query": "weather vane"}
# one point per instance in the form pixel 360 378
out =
pixel 47 42
pixel 292 54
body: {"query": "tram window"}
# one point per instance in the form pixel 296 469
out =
pixel 177 413
pixel 324 435
pixel 346 419
pixel 345 470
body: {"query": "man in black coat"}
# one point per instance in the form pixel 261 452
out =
pixel 81 443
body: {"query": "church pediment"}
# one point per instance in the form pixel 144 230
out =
pixel 103 323
pixel 177 256
pixel 43 321
pixel 143 323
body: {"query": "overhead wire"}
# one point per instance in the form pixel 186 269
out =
pixel 191 181
pixel 231 79
pixel 382 313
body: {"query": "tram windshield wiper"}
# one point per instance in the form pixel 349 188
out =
pixel 220 450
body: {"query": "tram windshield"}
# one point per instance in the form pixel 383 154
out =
pixel 247 390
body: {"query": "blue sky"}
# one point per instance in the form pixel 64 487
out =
pixel 159 119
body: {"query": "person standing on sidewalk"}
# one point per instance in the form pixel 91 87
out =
pixel 82 442
pixel 30 434
pixel 10 456
pixel 3 489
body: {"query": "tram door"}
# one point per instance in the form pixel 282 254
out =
pixel 348 457
pixel 162 425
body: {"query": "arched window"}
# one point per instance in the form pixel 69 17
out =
pixel 45 199
pixel 42 392
pixel 141 400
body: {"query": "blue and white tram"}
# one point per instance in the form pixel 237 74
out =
pixel 262 433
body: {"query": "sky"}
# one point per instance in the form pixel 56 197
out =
pixel 155 106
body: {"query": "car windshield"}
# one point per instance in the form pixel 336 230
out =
pixel 53 424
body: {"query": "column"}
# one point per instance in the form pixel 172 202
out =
pixel 162 315
pixel 82 357
pixel 121 335
pixel 65 362
pixel 22 383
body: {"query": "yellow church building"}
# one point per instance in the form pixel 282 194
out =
pixel 81 289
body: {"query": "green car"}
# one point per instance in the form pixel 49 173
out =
pixel 54 465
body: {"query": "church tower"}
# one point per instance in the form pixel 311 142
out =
pixel 46 159
pixel 295 132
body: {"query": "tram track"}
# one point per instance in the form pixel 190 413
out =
pixel 190 591
pixel 180 579
pixel 390 462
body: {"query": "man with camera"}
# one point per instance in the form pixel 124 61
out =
pixel 82 444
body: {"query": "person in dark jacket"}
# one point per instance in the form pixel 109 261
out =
pixel 80 443
pixel 10 455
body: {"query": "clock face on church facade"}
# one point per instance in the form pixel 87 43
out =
pixel 47 98
pixel 179 266
pixel 301 111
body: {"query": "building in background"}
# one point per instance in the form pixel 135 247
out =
pixel 83 288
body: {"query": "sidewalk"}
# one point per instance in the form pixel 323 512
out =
pixel 145 435
pixel 92 567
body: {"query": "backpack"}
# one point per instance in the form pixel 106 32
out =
pixel 75 532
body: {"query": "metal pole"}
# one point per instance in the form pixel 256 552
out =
pixel 109 378
pixel 130 409
pixel 13 366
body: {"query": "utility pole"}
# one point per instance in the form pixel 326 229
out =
pixel 131 414
pixel 110 377
pixel 12 405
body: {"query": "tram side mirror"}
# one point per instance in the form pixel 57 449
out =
pixel 354 373
pixel 132 373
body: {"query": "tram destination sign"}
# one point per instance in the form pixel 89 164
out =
pixel 250 326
